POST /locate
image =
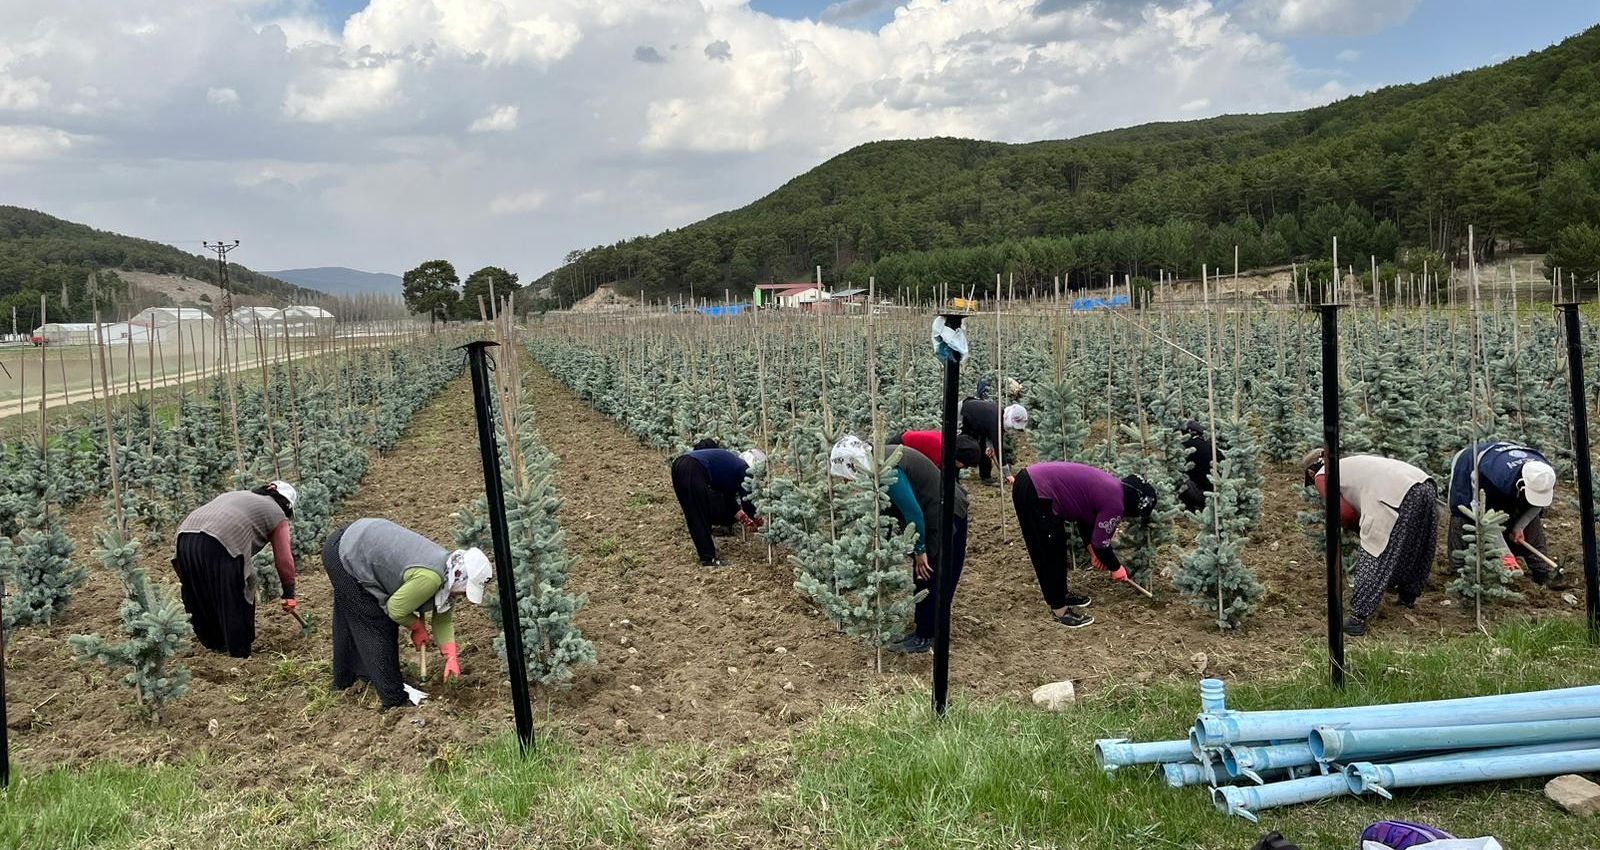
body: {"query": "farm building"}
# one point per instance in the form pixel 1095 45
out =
pixel 163 323
pixel 64 333
pixel 304 320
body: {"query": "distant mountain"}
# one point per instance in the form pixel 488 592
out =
pixel 340 281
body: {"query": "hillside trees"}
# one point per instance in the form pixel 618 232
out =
pixel 430 289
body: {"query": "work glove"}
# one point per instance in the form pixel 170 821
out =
pixel 452 667
pixel 419 634
pixel 1509 562
pixel 290 605
pixel 1120 575
pixel 746 520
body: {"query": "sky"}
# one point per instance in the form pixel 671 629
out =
pixel 378 134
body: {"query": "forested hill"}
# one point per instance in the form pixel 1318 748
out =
pixel 1510 149
pixel 41 254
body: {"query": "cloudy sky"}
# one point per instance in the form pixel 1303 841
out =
pixel 380 133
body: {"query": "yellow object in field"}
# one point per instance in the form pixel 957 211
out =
pixel 966 305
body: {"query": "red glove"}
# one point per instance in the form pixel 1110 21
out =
pixel 290 605
pixel 1120 575
pixel 452 667
pixel 745 520
pixel 1509 562
pixel 419 634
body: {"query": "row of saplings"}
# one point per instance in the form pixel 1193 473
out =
pixel 326 424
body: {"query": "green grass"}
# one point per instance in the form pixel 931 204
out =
pixel 884 774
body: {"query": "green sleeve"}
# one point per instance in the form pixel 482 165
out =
pixel 417 588
pixel 444 627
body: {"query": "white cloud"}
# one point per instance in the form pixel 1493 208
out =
pixel 1349 56
pixel 372 146
pixel 500 119
pixel 222 96
pixel 25 143
pixel 1326 17
pixel 520 203
pixel 23 94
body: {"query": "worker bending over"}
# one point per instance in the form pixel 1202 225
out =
pixel 1049 495
pixel 983 421
pixel 1392 504
pixel 385 576
pixel 916 498
pixel 1198 484
pixel 216 543
pixel 1515 479
pixel 931 445
pixel 709 483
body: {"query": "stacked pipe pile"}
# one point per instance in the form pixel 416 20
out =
pixel 1254 760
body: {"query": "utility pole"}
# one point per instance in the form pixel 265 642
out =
pixel 221 249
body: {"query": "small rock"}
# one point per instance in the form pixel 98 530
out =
pixel 627 623
pixel 788 686
pixel 732 670
pixel 661 717
pixel 212 727
pixel 636 689
pixel 1273 546
pixel 1056 696
pixel 1569 599
pixel 778 650
pixel 1572 792
pixel 621 725
pixel 418 722
pixel 625 640
pixel 1200 660
pixel 1143 676
pixel 633 650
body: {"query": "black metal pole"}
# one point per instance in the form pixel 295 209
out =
pixel 942 589
pixel 1580 453
pixel 5 739
pixel 1331 513
pixel 478 355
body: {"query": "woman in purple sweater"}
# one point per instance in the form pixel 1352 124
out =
pixel 1049 495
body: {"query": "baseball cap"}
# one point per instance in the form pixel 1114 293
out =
pixel 287 491
pixel 1016 418
pixel 849 457
pixel 469 570
pixel 1538 483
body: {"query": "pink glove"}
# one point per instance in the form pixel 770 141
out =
pixel 452 667
pixel 1120 575
pixel 419 633
pixel 1509 562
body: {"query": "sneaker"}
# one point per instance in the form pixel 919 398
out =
pixel 1072 619
pixel 1078 600
pixel 912 646
pixel 1355 626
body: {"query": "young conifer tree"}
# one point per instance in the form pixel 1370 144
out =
pixel 1215 560
pixel 39 574
pixel 1483 576
pixel 156 626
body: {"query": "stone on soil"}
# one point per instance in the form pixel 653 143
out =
pixel 1056 696
pixel 1572 792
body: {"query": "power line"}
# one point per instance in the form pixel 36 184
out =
pixel 221 249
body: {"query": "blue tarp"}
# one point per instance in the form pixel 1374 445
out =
pixel 717 310
pixel 1084 305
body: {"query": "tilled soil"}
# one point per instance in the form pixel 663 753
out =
pixel 685 653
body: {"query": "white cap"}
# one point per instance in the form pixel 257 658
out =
pixel 1538 483
pixel 469 571
pixel 753 457
pixel 1016 418
pixel 287 491
pixel 849 457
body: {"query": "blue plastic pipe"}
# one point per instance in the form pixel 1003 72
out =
pixel 1212 699
pixel 1191 773
pixel 1112 753
pixel 1500 752
pixel 1215 730
pixel 1244 760
pixel 1244 801
pixel 1362 776
pixel 1331 743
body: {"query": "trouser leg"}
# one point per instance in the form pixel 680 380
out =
pixel 1042 535
pixel 692 486
pixel 950 566
pixel 213 592
pixel 191 568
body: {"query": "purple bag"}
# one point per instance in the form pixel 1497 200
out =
pixel 1399 834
